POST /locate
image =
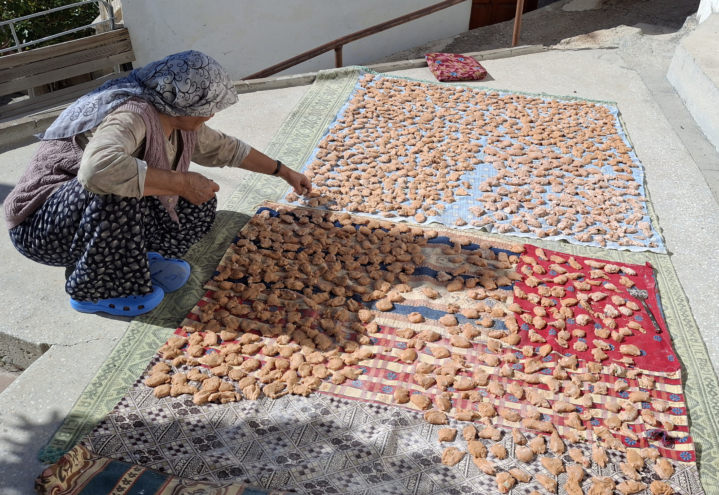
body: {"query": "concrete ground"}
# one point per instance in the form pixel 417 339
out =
pixel 665 137
pixel 551 24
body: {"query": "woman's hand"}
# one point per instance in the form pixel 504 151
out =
pixel 300 182
pixel 198 189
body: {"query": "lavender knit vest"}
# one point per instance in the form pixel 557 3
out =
pixel 58 161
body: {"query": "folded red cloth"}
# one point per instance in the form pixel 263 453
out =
pixel 454 67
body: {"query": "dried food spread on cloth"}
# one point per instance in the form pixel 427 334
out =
pixel 340 354
pixel 469 158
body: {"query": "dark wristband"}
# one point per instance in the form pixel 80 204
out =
pixel 277 170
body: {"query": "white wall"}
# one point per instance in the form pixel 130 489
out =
pixel 706 8
pixel 246 36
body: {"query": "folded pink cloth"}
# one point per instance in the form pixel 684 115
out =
pixel 453 67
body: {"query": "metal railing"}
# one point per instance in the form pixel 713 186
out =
pixel 337 44
pixel 19 46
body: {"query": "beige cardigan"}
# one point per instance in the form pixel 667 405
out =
pixel 110 163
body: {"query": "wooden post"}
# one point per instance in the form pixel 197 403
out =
pixel 338 56
pixel 517 22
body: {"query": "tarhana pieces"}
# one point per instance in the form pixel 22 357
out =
pixel 497 339
pixel 512 164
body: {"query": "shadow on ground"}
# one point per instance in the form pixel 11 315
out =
pixel 4 191
pixel 21 438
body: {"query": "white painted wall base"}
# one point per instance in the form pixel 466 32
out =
pixel 246 36
pixel 707 8
pixel 694 73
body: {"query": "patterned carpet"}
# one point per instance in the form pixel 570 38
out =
pixel 357 441
pixel 294 144
pixel 595 195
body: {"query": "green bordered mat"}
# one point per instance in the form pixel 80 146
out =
pixel 293 144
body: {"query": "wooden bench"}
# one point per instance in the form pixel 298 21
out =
pixel 25 70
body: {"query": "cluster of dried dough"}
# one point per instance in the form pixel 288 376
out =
pixel 303 322
pixel 403 147
pixel 604 307
pixel 501 347
pixel 567 378
pixel 526 451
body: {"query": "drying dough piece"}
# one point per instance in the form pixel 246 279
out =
pixel 364 315
pixel 401 395
pixel 602 485
pixel 660 488
pixel 520 475
pixel 562 407
pixel 448 320
pixel 446 435
pixel 252 392
pixel 663 468
pixel 630 487
pixel 518 437
pixel 538 445
pixel 577 456
pixel 469 433
pixel 384 305
pixel 486 466
pixel 524 454
pixel 548 483
pixel 415 318
pixel 430 292
pixel 162 391
pixel 451 456
pixel 408 355
pixel 635 460
pixel 499 451
pixel 491 433
pixel 460 341
pixel 505 482
pixel 421 401
pixel 157 379
pixel 477 448
pixel 440 352
pixel 429 336
pixel 556 444
pixel 553 465
pixel 435 417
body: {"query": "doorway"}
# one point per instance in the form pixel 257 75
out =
pixel 486 12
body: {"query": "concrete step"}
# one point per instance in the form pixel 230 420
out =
pixel 694 73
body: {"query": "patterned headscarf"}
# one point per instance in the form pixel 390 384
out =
pixel 184 84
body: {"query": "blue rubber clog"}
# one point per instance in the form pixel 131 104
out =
pixel 167 273
pixel 122 306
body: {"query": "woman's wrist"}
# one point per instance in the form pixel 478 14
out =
pixel 284 172
pixel 180 182
pixel 160 182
